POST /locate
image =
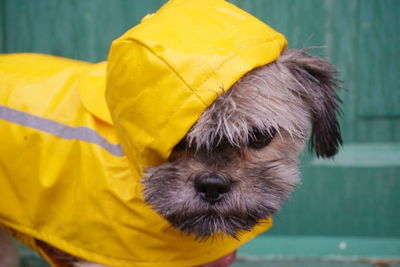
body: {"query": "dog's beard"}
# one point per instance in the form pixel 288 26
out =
pixel 207 223
pixel 256 194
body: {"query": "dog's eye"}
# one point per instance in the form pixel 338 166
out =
pixel 260 139
pixel 181 145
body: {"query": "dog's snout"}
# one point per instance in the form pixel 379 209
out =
pixel 211 186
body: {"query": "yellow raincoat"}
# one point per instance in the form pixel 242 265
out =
pixel 75 136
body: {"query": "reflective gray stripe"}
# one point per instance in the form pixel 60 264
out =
pixel 59 129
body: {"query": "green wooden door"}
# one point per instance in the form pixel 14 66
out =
pixel 347 210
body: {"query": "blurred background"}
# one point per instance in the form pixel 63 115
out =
pixel 347 210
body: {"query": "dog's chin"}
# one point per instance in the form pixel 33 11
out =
pixel 211 223
pixel 175 197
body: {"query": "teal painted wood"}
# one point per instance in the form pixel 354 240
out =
pixel 379 59
pixel 244 262
pixel 360 40
pixel 340 251
pixel 302 22
pixel 76 29
pixel 2 26
pixel 337 200
pixel 358 155
pixel 338 247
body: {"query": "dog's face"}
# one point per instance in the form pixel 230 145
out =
pixel 240 160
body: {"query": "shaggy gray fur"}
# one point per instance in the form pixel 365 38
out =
pixel 294 97
pixel 288 94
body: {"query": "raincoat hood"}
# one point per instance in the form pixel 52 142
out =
pixel 70 184
pixel 163 73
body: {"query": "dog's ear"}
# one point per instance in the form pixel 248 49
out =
pixel 316 83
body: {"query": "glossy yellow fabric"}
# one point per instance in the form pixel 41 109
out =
pixel 160 76
pixel 174 64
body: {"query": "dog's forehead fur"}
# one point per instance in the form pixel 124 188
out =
pixel 265 98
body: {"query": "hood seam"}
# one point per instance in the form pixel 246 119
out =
pixel 223 63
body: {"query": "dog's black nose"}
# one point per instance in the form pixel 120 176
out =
pixel 211 186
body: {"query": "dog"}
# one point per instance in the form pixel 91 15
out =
pixel 232 168
pixel 239 162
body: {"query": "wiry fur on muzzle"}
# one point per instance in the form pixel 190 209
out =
pixel 252 136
